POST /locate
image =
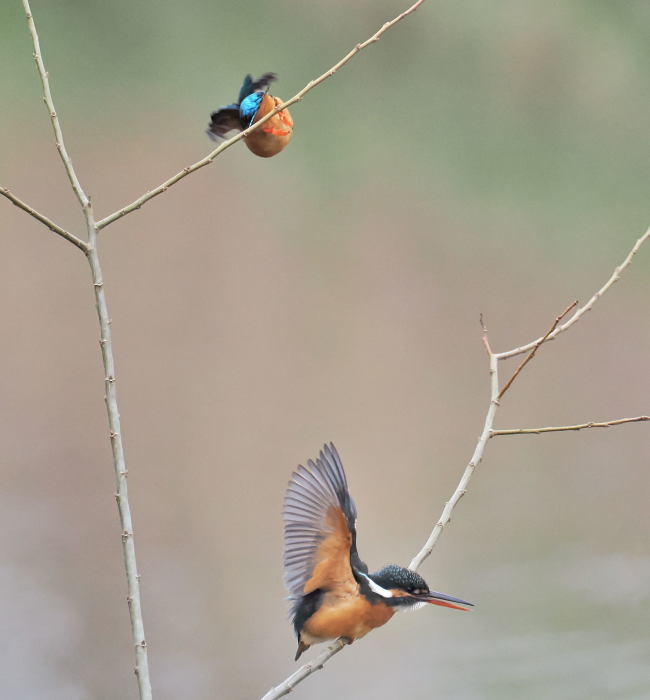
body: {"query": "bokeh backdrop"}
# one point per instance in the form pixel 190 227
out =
pixel 482 157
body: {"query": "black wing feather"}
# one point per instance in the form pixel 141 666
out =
pixel 224 120
pixel 250 86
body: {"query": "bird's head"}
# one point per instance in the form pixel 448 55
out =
pixel 405 589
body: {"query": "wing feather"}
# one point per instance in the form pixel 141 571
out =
pixel 222 121
pixel 319 527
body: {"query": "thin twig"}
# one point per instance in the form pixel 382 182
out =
pixel 112 409
pixel 538 344
pixel 306 670
pixel 44 220
pixel 49 102
pixel 242 134
pixel 580 426
pixel 484 337
pixel 461 489
pixel 616 275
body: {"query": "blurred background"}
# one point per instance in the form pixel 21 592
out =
pixel 482 157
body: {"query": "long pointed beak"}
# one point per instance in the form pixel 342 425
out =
pixel 445 601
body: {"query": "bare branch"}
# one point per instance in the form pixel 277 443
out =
pixel 242 134
pixel 616 275
pixel 479 450
pixel 119 465
pixel 44 220
pixel 49 102
pixel 106 345
pixel 484 338
pixel 306 670
pixel 461 489
pixel 538 344
pixel 580 426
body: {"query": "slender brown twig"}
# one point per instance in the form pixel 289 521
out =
pixel 136 204
pixel 82 245
pixel 616 275
pixel 580 426
pixel 536 347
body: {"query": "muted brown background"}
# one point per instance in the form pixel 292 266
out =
pixel 483 157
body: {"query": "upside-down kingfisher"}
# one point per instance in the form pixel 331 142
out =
pixel 332 594
pixel 254 103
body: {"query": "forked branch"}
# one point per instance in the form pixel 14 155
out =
pixel 243 134
pixel 488 432
pixel 106 345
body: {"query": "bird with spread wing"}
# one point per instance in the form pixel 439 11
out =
pixel 332 593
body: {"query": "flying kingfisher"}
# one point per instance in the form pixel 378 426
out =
pixel 332 594
pixel 254 103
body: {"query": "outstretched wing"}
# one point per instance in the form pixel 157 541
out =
pixel 224 120
pixel 320 549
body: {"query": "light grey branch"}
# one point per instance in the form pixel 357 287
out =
pixel 616 275
pixel 242 134
pixel 461 489
pixel 49 102
pixel 44 220
pixel 119 465
pixel 580 426
pixel 306 670
pixel 115 433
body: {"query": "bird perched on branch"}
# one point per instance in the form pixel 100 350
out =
pixel 254 102
pixel 332 593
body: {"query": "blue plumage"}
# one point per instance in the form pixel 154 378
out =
pixel 249 106
pixel 245 88
pixel 240 115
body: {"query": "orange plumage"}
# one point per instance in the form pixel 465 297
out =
pixel 274 135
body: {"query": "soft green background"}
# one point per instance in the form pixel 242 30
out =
pixel 482 157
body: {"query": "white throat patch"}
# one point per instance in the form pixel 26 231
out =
pixel 376 588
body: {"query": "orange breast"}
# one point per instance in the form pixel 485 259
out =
pixel 351 617
pixel 274 134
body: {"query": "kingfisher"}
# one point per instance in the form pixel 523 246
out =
pixel 254 102
pixel 332 593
